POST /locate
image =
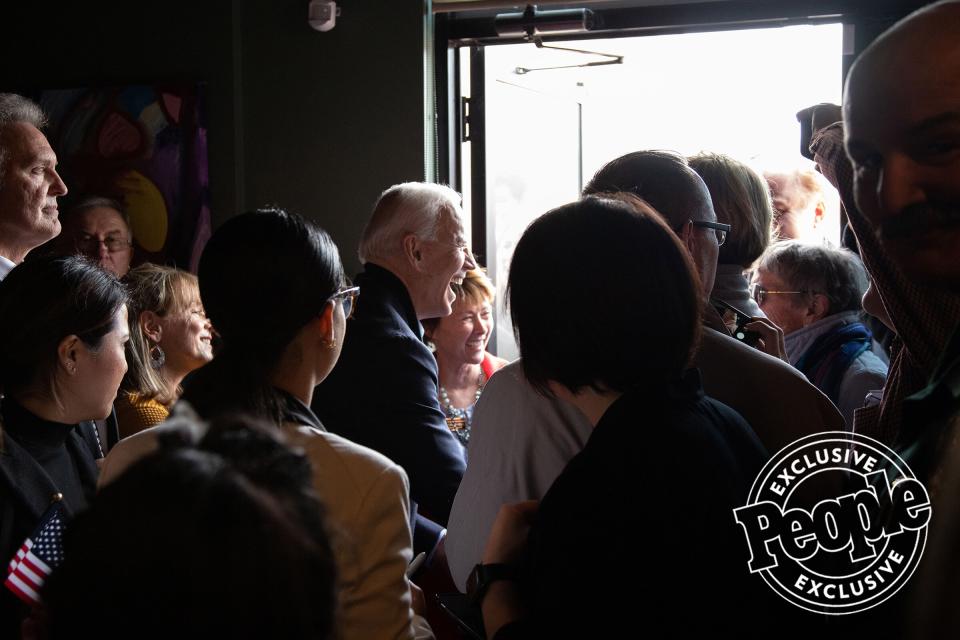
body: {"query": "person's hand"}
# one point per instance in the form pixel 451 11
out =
pixel 34 626
pixel 508 537
pixel 814 118
pixel 507 541
pixel 771 338
pixel 418 601
pixel 823 115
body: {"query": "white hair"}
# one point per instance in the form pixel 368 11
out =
pixel 403 209
pixel 15 108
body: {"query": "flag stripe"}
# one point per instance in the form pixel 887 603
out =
pixel 26 572
pixel 36 564
pixel 22 590
pixel 21 552
pixel 37 557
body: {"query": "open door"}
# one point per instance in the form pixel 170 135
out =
pixel 544 119
pixel 533 164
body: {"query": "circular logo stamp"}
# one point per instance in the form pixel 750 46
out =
pixel 835 523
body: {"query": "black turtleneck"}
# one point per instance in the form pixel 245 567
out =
pixel 46 442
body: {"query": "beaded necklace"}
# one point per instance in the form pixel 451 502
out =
pixel 459 421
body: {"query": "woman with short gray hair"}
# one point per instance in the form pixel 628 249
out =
pixel 813 293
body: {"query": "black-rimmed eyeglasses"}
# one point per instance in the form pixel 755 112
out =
pixel 720 228
pixel 349 296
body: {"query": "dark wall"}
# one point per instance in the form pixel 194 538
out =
pixel 331 119
pixel 104 43
pixel 319 123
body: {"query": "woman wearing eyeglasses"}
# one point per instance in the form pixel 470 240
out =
pixel 813 293
pixel 170 336
pixel 273 286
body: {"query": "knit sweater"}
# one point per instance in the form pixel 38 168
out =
pixel 135 413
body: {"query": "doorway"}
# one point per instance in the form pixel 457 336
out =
pixel 551 119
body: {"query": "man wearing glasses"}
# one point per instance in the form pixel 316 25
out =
pixel 97 228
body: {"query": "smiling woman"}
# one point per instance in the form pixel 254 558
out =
pixel 170 337
pixel 460 346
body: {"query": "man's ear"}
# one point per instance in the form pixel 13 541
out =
pixel 413 250
pixel 819 307
pixel 67 352
pixel 151 326
pixel 688 237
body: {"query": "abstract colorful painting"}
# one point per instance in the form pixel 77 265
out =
pixel 145 146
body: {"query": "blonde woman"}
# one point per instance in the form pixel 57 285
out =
pixel 170 336
pixel 460 343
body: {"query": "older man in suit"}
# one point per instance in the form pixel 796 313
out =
pixel 383 392
pixel 29 184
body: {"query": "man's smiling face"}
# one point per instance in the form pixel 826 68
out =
pixel 902 119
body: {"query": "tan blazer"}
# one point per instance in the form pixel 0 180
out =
pixel 367 500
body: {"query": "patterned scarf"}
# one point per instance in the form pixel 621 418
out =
pixel 830 355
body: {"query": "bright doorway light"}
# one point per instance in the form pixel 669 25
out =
pixel 731 92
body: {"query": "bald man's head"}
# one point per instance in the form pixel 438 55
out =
pixel 668 184
pixel 902 117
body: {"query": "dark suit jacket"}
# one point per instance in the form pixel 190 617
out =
pixel 25 493
pixel 383 393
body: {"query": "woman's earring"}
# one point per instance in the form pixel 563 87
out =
pixel 330 344
pixel 157 356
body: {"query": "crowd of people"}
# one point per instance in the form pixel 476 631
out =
pixel 266 447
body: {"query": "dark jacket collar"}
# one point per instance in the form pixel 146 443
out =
pixel 382 286
pixel 30 484
pixel 296 412
pixel 650 398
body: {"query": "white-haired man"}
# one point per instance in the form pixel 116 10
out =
pixel 29 184
pixel 383 392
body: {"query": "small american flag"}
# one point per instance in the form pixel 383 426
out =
pixel 40 554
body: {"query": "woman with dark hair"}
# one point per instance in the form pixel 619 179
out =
pixel 170 336
pixel 63 326
pixel 222 540
pixel 273 285
pixel 638 529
